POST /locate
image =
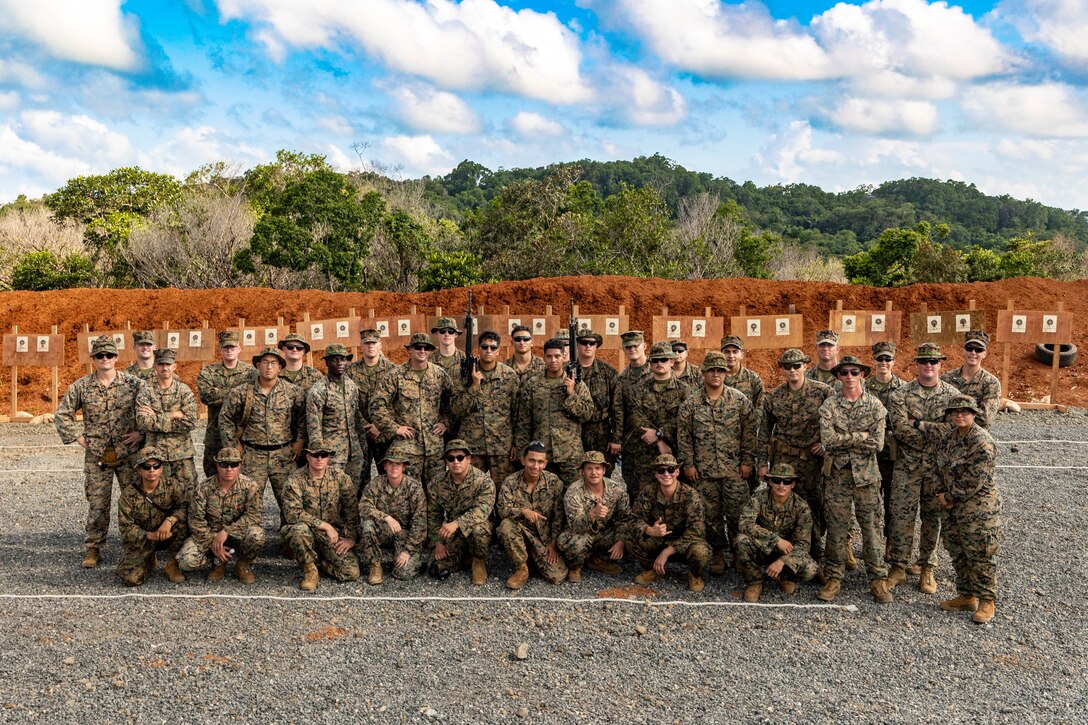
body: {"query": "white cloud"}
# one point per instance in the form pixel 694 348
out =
pixel 9 100
pixel 419 154
pixel 423 108
pixel 340 160
pixel 337 125
pixel 642 100
pixel 884 115
pixel 787 156
pixel 94 32
pixel 191 147
pixel 77 136
pixel 21 158
pixel 1061 25
pixel 19 73
pixel 469 45
pixel 532 125
pixel 1048 110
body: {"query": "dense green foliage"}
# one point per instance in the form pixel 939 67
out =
pixel 38 271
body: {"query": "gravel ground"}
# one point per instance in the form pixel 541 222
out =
pixel 285 655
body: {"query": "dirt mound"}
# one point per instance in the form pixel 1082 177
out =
pixel 35 312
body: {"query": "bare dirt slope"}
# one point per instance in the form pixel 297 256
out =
pixel 35 312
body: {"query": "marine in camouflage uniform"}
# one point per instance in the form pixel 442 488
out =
pixel 531 515
pixel 852 431
pixel 534 364
pixel 108 429
pixel 775 531
pixel 448 357
pixel 686 372
pixel 365 373
pixel 213 384
pixel 304 376
pixel 883 390
pixel 167 415
pixel 396 497
pixel 141 513
pixel 654 409
pixel 916 415
pixel 982 385
pixel 668 516
pixel 717 439
pixel 266 424
pixel 827 345
pixel 225 506
pixel 321 510
pixel 415 398
pixel 334 416
pixel 637 370
pixel 552 412
pixel 746 381
pixel 596 514
pixel 143 342
pixel 485 410
pixel 603 431
pixel 459 516
pixel 790 434
pixel 966 457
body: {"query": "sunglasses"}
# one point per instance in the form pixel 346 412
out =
pixel 659 360
pixel 229 464
pixel 490 348
pixel 588 343
pixel 973 348
pixel 320 454
pixel 523 339
pixel 293 348
pixel 421 347
pixel 458 459
pixel 791 366
pixel 927 361
pixel 885 359
pixel 781 482
pixel 666 470
pixel 849 372
pixel 104 356
pixel 150 466
pixel 445 331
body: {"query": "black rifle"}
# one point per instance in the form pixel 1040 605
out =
pixel 468 365
pixel 573 369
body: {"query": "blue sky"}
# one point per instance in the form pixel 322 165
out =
pixel 835 94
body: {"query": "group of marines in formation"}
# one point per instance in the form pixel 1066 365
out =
pixel 713 464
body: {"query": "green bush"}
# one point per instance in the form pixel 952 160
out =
pixel 446 270
pixel 39 271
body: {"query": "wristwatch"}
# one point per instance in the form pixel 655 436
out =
pixel 658 433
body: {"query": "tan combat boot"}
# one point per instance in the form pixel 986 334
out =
pixel 985 611
pixel 717 563
pixel 695 583
pixel 752 592
pixel 914 569
pixel 605 566
pixel 829 591
pixel 962 603
pixel 574 576
pixel 374 578
pixel 896 576
pixel 879 589
pixel 479 572
pixel 927 582
pixel 92 557
pixel 244 571
pixel 518 578
pixel 786 585
pixel 647 577
pixel 173 573
pixel 850 562
pixel 309 578
pixel 218 572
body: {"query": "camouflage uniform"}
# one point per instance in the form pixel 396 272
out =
pixel 236 510
pixel 486 418
pixel 584 536
pixel 522 539
pixel 408 505
pixel 470 505
pixel 718 437
pixel 213 384
pixel 334 422
pixel 305 377
pixel 915 476
pixel 984 387
pixel 852 479
pixel 536 366
pixel 685 518
pixel 629 379
pixel 822 376
pixel 605 426
pixel 885 459
pixel 307 503
pixel 762 524
pixel 450 363
pixel 139 513
pixel 144 374
pixel 109 414
pixel 172 438
pixel 748 383
pixel 791 425
pixel 419 399
pixel 972 527
pixel 275 423
pixel 367 377
pixel 547 414
pixel 692 376
pixel 654 405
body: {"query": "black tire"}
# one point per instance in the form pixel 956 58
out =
pixel 1044 353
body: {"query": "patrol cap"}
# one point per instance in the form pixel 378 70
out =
pixel 165 355
pixel 632 338
pixel 714 360
pixel 854 361
pixel 337 350
pixel 793 356
pixel 827 336
pixel 884 347
pixel 226 338
pixel 229 454
pixel 420 338
pixel 457 444
pixel 593 457
pixel 782 472
pixel 585 332
pixel 369 335
pixel 731 341
pixel 961 402
pixel 446 323
pixel 978 337
pixel 270 351
pixel 678 345
pixel 929 351
pixel 665 459
pixel 103 343
pixel 661 351
pixel 393 456
pixel 293 337
pixel 143 337
pixel 315 449
pixel 145 454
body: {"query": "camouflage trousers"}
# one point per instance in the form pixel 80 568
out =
pixel 522 542
pixel 213 442
pixel 270 466
pixel 971 532
pixel 353 467
pixel 373 535
pixel 576 548
pixel 136 559
pixel 184 472
pixel 711 491
pixel 464 546
pixel 887 470
pixel 98 488
pixel 752 562
pixel 638 466
pixel 913 497
pixel 810 487
pixel 376 450
pixel 497 466
pixel 596 435
pixel 843 501
pixel 644 549
pixel 425 468
pixel 194 557
pixel 568 472
pixel 310 547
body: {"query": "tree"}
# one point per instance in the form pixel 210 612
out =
pixel 634 235
pixel 40 271
pixel 447 270
pixel 889 262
